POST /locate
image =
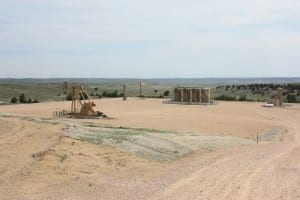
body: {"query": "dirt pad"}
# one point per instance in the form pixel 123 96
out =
pixel 240 119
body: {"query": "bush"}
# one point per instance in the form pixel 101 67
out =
pixel 167 93
pixel 98 95
pixel 291 98
pixel 243 98
pixel 35 101
pixel 114 94
pixel 14 100
pixel 29 100
pixel 69 97
pixel 227 87
pixel 22 98
pixel 225 97
pixel 111 94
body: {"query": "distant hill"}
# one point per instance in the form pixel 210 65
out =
pixel 167 81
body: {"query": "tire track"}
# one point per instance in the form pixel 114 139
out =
pixel 248 174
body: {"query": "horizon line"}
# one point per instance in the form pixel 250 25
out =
pixel 225 77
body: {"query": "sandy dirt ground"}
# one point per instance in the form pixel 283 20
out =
pixel 227 118
pixel 38 162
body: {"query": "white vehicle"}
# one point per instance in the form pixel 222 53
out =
pixel 269 105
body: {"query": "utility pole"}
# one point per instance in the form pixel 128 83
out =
pixel 65 90
pixel 141 84
pixel 124 92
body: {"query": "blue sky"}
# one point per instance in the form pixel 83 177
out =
pixel 149 39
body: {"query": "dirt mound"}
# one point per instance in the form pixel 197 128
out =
pixel 19 141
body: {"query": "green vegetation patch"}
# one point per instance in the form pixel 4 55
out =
pixel 51 89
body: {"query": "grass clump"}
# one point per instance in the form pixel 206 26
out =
pixel 63 157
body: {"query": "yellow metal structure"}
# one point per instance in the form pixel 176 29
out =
pixel 82 105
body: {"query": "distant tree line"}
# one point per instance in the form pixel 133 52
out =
pixel 22 99
pixel 116 93
pixel 292 98
pixel 262 86
pixel 291 91
pixel 225 97
pixel 112 94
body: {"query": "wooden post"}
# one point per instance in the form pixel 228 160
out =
pixel 140 90
pixel 141 84
pixel 124 92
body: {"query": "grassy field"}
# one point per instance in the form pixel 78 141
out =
pixel 51 89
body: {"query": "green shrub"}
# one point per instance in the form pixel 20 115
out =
pixel 225 97
pixel 63 157
pixel 69 97
pixel 243 98
pixel 111 94
pixel 22 98
pixel 14 100
pixel 291 98
pixel 167 93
